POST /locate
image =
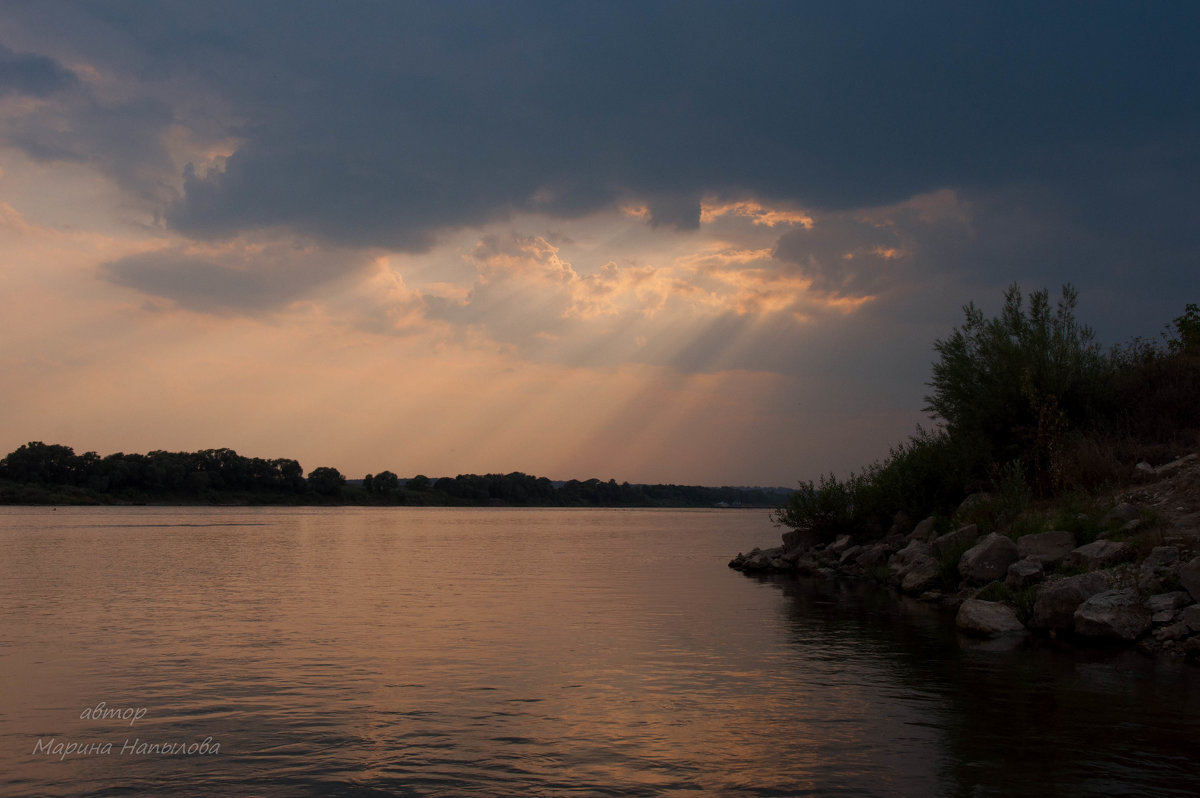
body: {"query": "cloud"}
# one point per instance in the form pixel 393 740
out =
pixel 392 125
pixel 241 276
pixel 32 75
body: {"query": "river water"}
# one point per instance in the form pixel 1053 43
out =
pixel 483 652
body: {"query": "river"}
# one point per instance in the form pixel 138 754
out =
pixel 498 652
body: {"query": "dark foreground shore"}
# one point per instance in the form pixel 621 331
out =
pixel 1136 583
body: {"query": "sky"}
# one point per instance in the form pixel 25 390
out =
pixel 691 242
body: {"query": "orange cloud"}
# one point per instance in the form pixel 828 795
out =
pixel 758 214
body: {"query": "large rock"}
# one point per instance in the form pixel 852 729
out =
pixel 923 531
pixel 800 538
pixel 1163 606
pixel 1100 554
pixel 1189 577
pixel 1024 573
pixel 987 619
pixel 842 543
pixel 960 539
pixel 921 574
pixel 1057 601
pixel 1120 515
pixel 1113 614
pixel 913 569
pixel 873 556
pixel 988 560
pixel 1048 548
pixel 971 502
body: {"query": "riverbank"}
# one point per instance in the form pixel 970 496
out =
pixel 1121 568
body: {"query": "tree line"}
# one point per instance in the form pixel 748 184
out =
pixel 40 473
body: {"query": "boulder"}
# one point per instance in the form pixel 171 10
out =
pixel 988 560
pixel 760 560
pixel 1189 577
pixel 1120 515
pixel 960 539
pixel 1100 554
pixel 1056 602
pixel 987 619
pixel 800 538
pixel 911 567
pixel 1191 617
pixel 921 574
pixel 1048 548
pixel 972 501
pixel 1113 614
pixel 1162 607
pixel 1024 573
pixel 923 531
pixel 1161 557
pixel 850 554
pixel 873 556
pixel 838 546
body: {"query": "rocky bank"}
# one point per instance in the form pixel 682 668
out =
pixel 1137 583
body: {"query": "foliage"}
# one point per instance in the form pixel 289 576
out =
pixel 326 481
pixel 1187 331
pixel 38 473
pixel 1032 407
pixel 918 477
pixel 1011 386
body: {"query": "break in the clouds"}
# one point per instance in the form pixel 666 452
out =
pixel 783 191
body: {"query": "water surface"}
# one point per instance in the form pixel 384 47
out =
pixel 444 652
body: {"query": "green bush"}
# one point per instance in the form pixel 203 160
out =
pixel 1010 387
pixel 918 477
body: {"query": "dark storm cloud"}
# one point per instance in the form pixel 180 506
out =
pixel 252 280
pixel 380 123
pixel 32 75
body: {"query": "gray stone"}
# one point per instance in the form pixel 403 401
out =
pixel 873 556
pixel 960 539
pixel 988 560
pixel 920 574
pixel 909 553
pixel 923 531
pixel 987 619
pixel 800 538
pixel 1121 514
pixel 1174 464
pixel 1164 605
pixel 1100 554
pixel 972 501
pixel 1189 577
pixel 838 546
pixel 913 557
pixel 1057 601
pixel 849 554
pixel 1161 556
pixel 1048 548
pixel 1115 614
pixel 1191 617
pixel 760 559
pixel 1172 632
pixel 1024 573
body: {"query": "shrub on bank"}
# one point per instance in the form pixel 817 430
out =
pixel 1030 407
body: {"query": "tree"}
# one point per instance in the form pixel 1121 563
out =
pixel 1009 387
pixel 418 483
pixel 384 482
pixel 46 464
pixel 326 481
